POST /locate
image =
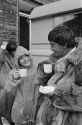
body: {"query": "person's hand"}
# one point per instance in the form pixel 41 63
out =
pixel 74 59
pixel 46 89
pixel 14 75
pixel 74 56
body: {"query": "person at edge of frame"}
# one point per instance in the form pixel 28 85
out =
pixel 8 62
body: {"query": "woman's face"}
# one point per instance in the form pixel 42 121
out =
pixel 25 61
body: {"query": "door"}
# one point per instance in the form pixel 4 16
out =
pixel 24 32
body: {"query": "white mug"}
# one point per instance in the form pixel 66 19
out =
pixel 48 68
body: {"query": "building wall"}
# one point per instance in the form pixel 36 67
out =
pixel 8 20
pixel 39 36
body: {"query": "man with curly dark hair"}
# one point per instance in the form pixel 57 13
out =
pixel 62 40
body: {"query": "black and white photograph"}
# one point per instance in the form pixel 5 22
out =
pixel 40 62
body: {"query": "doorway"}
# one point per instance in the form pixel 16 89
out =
pixel 24 32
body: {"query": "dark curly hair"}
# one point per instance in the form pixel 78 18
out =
pixel 62 35
pixel 11 46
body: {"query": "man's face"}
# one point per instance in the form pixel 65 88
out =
pixel 57 49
